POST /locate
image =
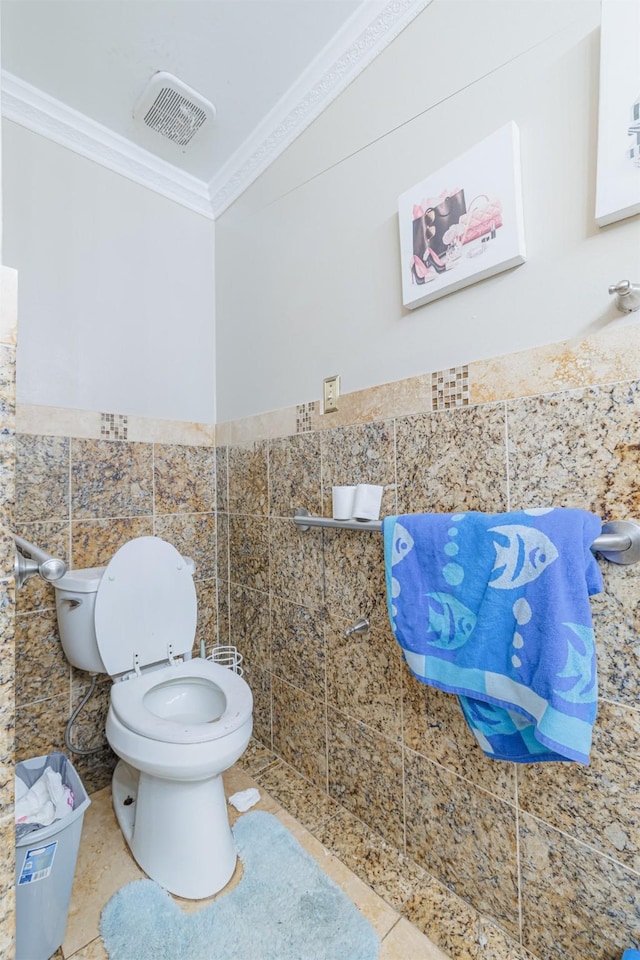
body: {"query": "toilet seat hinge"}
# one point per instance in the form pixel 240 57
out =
pixel 136 665
pixel 170 654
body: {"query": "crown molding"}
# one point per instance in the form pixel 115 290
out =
pixel 368 31
pixel 353 48
pixel 43 114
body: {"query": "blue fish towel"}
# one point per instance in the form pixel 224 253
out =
pixel 495 608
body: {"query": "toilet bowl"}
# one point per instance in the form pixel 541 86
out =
pixel 176 724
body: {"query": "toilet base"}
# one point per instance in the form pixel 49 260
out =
pixel 178 833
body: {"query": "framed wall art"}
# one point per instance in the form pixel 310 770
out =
pixel 618 177
pixel 464 222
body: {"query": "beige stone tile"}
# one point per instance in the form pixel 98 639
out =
pixel 248 479
pixel 94 542
pixel 8 305
pixel 222 546
pixel 606 357
pixel 616 621
pixel 7 390
pixel 7 699
pixel 206 627
pixel 193 535
pixel 364 453
pixel 152 430
pixel 7 887
pixel 92 951
pixel 364 675
pixel 259 681
pixel 575 902
pixel 448 921
pixel 104 865
pixel 57 421
pixel 406 942
pixel 223 615
pixel 465 837
pixel 251 626
pixel 37 594
pixel 42 478
pixel 249 551
pixel 257 758
pixel 111 479
pixel 380 402
pixel 184 478
pixel 294 475
pixel 299 731
pixel 577 449
pixel 365 775
pixel 42 670
pixel 598 804
pixel 452 460
pixel 7 502
pixel 264 426
pixel 379 914
pixel 222 480
pixel 354 573
pixel 296 563
pixel 310 805
pixel 298 646
pixel 434 726
pixel 40 727
pixel 388 872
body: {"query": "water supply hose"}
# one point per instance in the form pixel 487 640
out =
pixel 72 719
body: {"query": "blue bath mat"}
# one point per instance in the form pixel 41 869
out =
pixel 284 908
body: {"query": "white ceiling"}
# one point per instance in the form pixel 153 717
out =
pixel 258 61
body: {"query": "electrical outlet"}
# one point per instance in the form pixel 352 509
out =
pixel 331 393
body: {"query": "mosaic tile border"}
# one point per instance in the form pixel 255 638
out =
pixel 450 388
pixel 610 356
pixel 113 426
pixel 305 416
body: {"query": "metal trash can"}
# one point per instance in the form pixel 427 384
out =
pixel 45 865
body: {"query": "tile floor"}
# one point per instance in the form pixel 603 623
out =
pixel 105 864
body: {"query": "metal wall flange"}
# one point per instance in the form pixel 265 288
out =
pixel 629 529
pixel 302 512
pixel 627 295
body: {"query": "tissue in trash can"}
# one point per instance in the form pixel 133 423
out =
pixel 47 800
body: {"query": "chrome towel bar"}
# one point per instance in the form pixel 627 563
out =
pixel 31 561
pixel 618 542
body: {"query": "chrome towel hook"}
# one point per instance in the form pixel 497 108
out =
pixel 627 295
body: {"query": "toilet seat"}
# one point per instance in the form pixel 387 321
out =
pixel 146 607
pixel 128 703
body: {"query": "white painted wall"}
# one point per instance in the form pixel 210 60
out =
pixel 307 260
pixel 117 308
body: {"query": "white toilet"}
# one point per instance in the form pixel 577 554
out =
pixel 176 724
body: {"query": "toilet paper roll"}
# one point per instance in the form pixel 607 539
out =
pixel 343 498
pixel 368 498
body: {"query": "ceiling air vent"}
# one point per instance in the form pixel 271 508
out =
pixel 173 109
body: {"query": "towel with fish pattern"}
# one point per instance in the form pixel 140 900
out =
pixel 495 608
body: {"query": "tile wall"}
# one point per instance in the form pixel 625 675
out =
pixel 81 497
pixel 541 861
pixel 550 854
pixel 8 318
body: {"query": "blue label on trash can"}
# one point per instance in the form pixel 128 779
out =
pixel 37 863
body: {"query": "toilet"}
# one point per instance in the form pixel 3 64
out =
pixel 177 724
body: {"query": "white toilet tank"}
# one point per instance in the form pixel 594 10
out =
pixel 75 606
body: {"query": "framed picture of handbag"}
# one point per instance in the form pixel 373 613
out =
pixel 464 222
pixel 618 176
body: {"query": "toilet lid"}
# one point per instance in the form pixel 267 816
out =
pixel 145 602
